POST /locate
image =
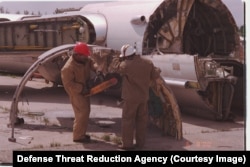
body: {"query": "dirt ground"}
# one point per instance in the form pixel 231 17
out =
pixel 48 123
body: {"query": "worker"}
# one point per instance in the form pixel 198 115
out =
pixel 137 74
pixel 75 76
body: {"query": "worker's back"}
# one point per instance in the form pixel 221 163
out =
pixel 137 76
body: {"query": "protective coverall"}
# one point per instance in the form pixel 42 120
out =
pixel 74 77
pixel 137 74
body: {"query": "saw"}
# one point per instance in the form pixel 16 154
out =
pixel 102 86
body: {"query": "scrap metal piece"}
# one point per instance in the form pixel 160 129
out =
pixel 169 120
pixel 46 56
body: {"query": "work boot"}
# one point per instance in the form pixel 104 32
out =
pixel 126 148
pixel 86 139
pixel 87 136
pixel 83 140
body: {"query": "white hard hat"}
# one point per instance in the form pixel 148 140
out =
pixel 127 50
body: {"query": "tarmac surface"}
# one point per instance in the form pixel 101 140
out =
pixel 48 120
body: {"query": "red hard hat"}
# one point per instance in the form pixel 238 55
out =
pixel 82 48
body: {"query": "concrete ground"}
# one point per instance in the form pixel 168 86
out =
pixel 48 123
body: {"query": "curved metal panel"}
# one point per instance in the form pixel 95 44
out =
pixel 46 56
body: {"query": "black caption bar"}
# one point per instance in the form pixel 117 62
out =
pixel 124 158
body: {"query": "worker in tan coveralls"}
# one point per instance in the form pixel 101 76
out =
pixel 137 75
pixel 75 74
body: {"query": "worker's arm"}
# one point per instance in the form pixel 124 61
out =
pixel 118 65
pixel 155 73
pixel 69 83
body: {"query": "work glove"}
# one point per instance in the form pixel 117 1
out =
pixel 122 58
pixel 85 90
pixel 99 78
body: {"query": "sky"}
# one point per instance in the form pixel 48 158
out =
pixel 48 7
